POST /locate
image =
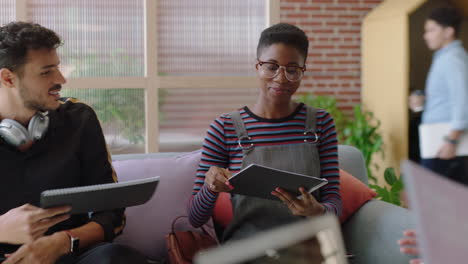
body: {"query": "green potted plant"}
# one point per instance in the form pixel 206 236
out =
pixel 392 192
pixel 359 130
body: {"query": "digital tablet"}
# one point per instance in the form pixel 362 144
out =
pixel 313 241
pixel 101 197
pixel 259 181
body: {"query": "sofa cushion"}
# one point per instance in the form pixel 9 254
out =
pixel 354 194
pixel 148 224
pixel 222 212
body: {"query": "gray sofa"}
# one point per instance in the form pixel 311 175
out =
pixel 371 234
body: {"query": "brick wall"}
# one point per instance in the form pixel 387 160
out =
pixel 334 30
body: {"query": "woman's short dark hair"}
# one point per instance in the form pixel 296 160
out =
pixel 16 38
pixel 287 34
pixel 447 17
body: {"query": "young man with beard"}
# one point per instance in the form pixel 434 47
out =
pixel 446 101
pixel 447 91
pixel 49 143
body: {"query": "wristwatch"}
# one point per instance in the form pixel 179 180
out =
pixel 451 141
pixel 74 242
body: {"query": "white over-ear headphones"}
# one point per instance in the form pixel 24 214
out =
pixel 16 134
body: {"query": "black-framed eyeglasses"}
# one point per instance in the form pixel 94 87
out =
pixel 271 69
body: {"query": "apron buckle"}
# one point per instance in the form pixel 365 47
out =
pixel 315 134
pixel 239 142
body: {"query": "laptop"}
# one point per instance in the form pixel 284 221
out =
pixel 311 241
pixel 440 209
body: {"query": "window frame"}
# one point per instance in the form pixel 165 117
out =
pixel 151 82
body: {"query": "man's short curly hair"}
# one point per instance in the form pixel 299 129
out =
pixel 287 34
pixel 447 16
pixel 16 38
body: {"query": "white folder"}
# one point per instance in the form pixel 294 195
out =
pixel 431 139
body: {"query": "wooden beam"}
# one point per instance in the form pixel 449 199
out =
pixel 21 10
pixel 105 83
pixel 173 82
pixel 272 12
pixel 151 72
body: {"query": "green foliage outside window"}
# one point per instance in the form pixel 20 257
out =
pixel 117 109
pixel 121 109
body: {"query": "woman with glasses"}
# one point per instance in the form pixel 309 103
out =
pixel 277 132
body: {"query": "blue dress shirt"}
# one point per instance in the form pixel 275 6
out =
pixel 447 88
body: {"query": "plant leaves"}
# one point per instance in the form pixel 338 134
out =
pixel 398 186
pixel 389 175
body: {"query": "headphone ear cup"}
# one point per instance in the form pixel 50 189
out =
pixel 14 133
pixel 38 126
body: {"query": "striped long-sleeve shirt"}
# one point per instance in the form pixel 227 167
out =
pixel 220 148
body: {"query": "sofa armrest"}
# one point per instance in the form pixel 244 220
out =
pixel 371 234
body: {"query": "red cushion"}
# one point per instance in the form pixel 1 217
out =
pixel 222 212
pixel 354 194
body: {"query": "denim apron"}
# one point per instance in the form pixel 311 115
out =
pixel 251 214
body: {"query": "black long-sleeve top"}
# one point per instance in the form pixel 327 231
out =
pixel 72 153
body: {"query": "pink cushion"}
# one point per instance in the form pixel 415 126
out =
pixel 222 213
pixel 354 194
pixel 148 224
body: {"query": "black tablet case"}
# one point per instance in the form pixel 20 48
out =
pixel 101 197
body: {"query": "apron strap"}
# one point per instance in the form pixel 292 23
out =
pixel 238 124
pixel 240 130
pixel 311 123
pixel 311 120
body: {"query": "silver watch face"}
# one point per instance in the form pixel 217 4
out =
pixel 74 244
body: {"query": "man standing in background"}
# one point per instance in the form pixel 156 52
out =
pixel 446 91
